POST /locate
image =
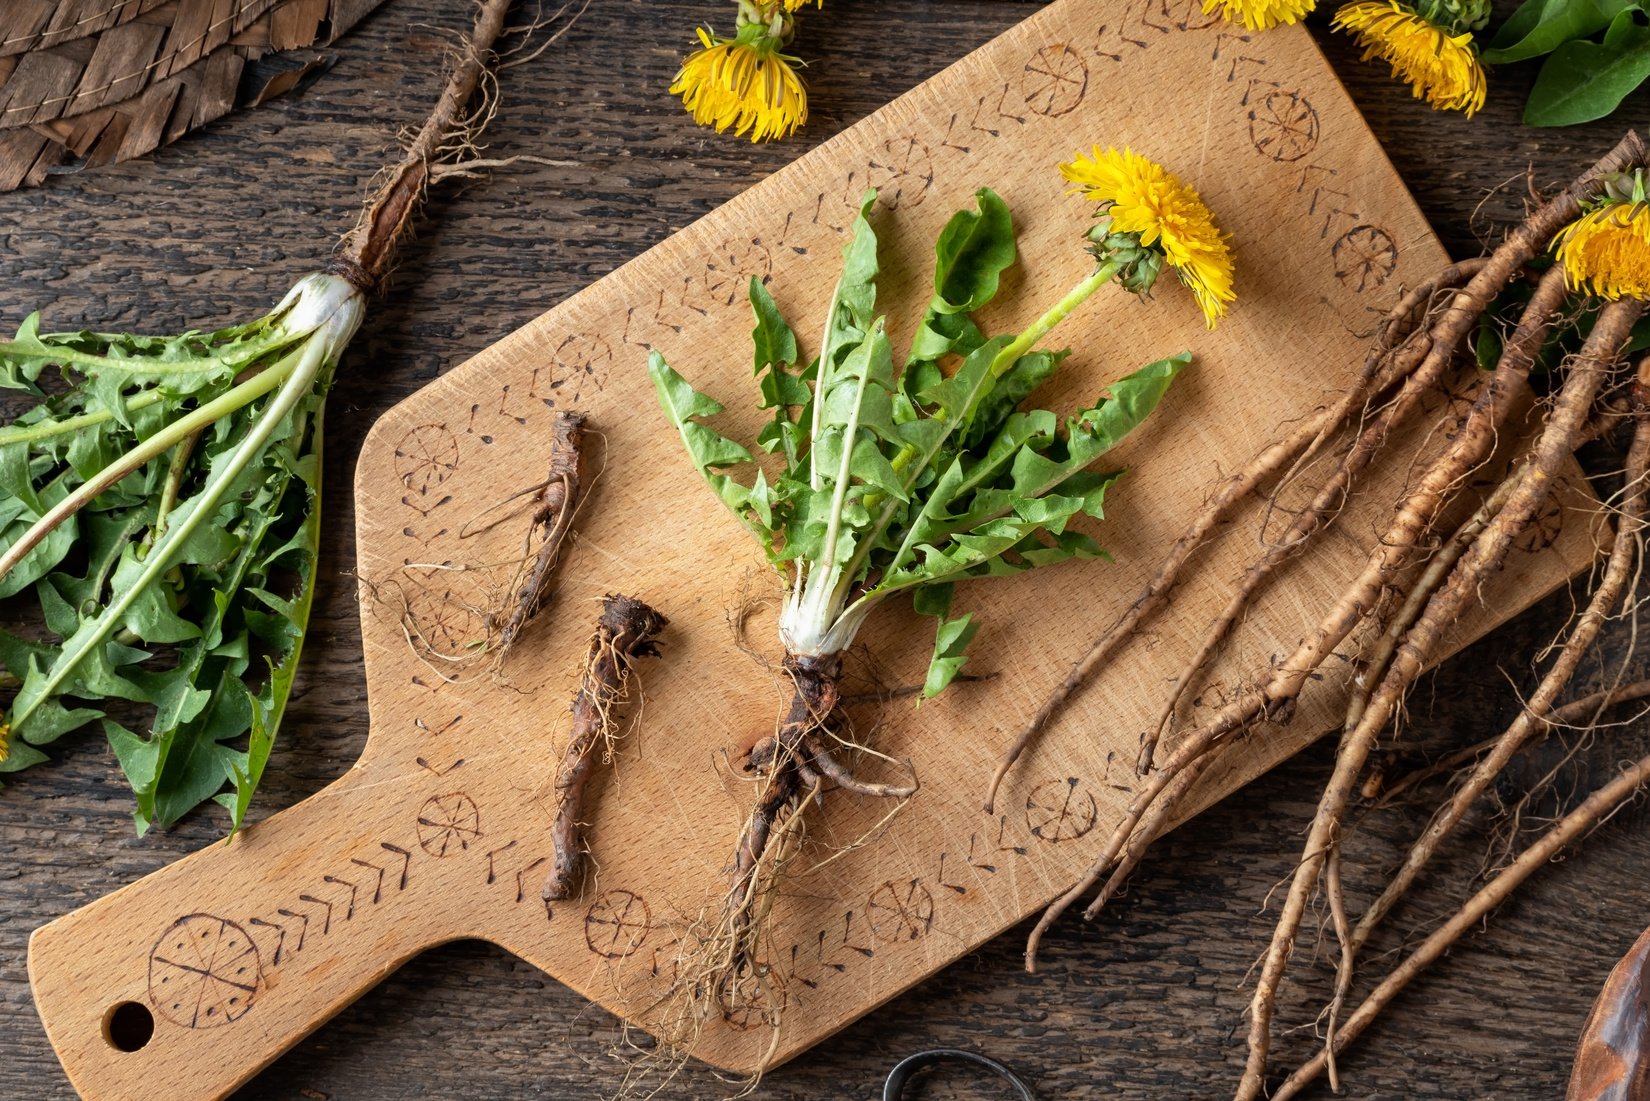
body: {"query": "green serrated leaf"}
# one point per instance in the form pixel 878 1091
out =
pixel 973 251
pixel 1583 81
pixel 951 641
pixel 856 290
pixel 1541 26
pixel 19 756
pixel 710 450
pixel 1014 386
pixel 195 763
pixel 47 720
pixel 772 339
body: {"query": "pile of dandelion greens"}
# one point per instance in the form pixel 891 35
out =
pixel 166 497
pixel 160 503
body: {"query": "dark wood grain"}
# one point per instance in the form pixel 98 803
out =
pixel 1146 1003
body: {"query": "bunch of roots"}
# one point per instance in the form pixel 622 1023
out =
pixel 1445 541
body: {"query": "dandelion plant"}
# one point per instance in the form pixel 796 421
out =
pixel 881 481
pixel 159 507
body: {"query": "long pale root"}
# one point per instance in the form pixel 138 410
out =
pixel 1532 719
pixel 1571 409
pixel 1388 365
pixel 1284 682
pixel 1595 809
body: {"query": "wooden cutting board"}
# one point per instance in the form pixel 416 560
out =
pixel 201 974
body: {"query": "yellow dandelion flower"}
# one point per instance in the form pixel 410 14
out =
pixel 5 740
pixel 793 5
pixel 744 84
pixel 1261 15
pixel 1442 68
pixel 1146 199
pixel 1607 251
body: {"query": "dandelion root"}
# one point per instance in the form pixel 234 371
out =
pixel 1581 386
pixel 553 514
pixel 1598 806
pixel 627 630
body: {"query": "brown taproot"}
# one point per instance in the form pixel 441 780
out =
pixel 628 629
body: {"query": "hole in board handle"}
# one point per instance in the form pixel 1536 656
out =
pixel 129 1026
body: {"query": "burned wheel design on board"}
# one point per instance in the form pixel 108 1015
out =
pixel 902 171
pixel 1365 258
pixel 1284 126
pixel 727 277
pixel 203 972
pixel 1055 80
pixel 617 924
pixel 1057 811
pixel 425 457
pixel 448 823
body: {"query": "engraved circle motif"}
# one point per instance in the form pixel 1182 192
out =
pixel 1545 528
pixel 425 457
pixel 902 172
pixel 446 621
pixel 617 924
pixel 1284 126
pixel 1056 811
pixel 729 272
pixel 753 998
pixel 448 823
pixel 1055 80
pixel 582 363
pixel 1365 258
pixel 203 972
pixel 900 910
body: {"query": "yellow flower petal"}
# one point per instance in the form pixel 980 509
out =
pixel 1607 252
pixel 746 88
pixel 5 740
pixel 1146 199
pixel 1261 15
pixel 1442 68
pixel 793 5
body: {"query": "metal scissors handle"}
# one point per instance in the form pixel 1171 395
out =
pixel 906 1068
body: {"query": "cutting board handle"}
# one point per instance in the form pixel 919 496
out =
pixel 193 979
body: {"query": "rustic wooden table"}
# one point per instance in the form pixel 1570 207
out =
pixel 1147 1003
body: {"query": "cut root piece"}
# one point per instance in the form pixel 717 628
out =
pixel 479 612
pixel 555 504
pixel 627 630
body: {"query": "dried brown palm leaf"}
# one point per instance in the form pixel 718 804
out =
pixel 152 75
pixel 40 24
